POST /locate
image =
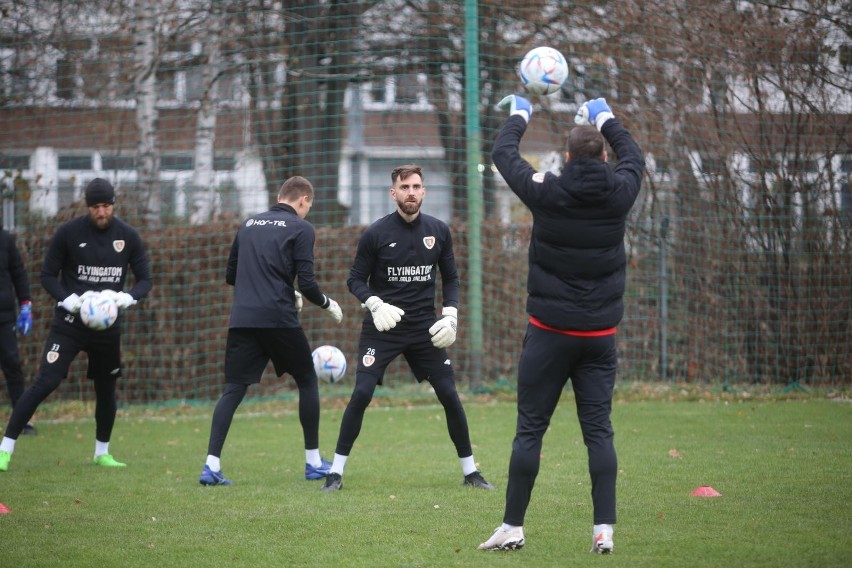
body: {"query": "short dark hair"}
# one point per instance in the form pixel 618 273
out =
pixel 585 142
pixel 294 188
pixel 403 172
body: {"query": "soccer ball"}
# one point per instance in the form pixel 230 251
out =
pixel 543 70
pixel 329 363
pixel 98 312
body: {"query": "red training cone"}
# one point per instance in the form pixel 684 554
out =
pixel 4 509
pixel 705 491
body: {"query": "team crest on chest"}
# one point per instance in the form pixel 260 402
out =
pixel 118 245
pixel 429 242
pixel 368 360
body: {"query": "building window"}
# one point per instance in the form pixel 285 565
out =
pixel 96 79
pixel 75 162
pixel 408 89
pixel 764 164
pixel 177 162
pixel 14 161
pixel 712 165
pixel 118 163
pixel 224 163
pixel 65 77
pixel 801 166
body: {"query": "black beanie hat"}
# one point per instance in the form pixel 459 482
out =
pixel 99 190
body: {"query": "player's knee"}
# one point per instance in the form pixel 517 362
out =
pixel 46 384
pixel 445 390
pixel 361 396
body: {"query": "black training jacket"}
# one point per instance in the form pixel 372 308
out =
pixel 576 255
pixel 270 252
pixel 14 280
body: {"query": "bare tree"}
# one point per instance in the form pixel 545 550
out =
pixel 205 129
pixel 146 63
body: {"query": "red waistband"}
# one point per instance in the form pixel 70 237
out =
pixel 596 333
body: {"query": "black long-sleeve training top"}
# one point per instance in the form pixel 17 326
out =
pixel 397 261
pixel 89 258
pixel 271 250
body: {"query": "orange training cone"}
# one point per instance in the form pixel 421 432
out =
pixel 705 491
pixel 4 509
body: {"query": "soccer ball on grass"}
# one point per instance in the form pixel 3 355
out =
pixel 543 70
pixel 329 363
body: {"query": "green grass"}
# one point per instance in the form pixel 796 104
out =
pixel 783 466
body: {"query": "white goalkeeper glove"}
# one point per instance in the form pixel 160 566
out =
pixel 334 309
pixel 124 300
pixel 385 316
pixel 443 331
pixel 299 301
pixel 72 303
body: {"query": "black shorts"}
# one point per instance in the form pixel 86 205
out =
pixel 64 343
pixel 249 350
pixel 377 349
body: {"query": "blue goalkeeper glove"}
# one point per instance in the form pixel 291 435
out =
pixel 595 112
pixel 25 318
pixel 517 105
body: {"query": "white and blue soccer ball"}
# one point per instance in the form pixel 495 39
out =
pixel 543 70
pixel 98 312
pixel 329 363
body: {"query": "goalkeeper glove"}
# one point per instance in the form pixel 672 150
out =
pixel 124 300
pixel 517 105
pixel 72 304
pixel 25 317
pixel 443 331
pixel 385 316
pixel 334 309
pixel 595 112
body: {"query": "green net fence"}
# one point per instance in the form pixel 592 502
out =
pixel 740 246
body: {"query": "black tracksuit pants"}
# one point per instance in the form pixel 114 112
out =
pixel 548 360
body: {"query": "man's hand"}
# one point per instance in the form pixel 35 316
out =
pixel 124 300
pixel 595 112
pixel 335 311
pixel 517 105
pixel 299 301
pixel 72 304
pixel 385 316
pixel 25 317
pixel 443 331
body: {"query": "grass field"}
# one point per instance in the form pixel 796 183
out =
pixel 783 466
